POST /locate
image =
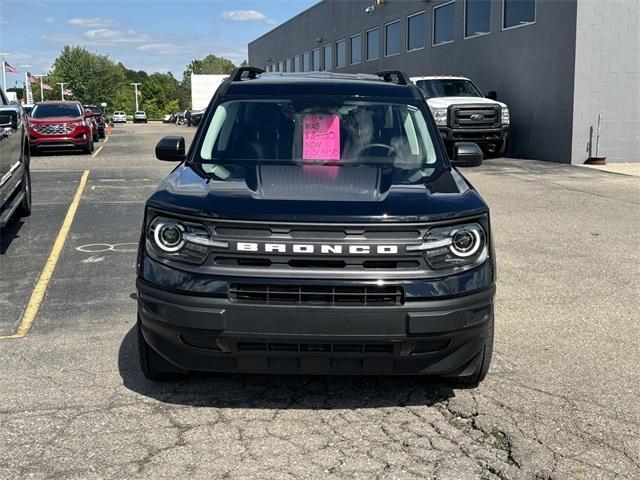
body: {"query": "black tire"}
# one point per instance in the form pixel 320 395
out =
pixel 88 147
pixel 473 380
pixel 153 366
pixel 24 210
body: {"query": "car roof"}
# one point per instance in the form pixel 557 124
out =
pixel 439 77
pixel 319 83
pixel 58 102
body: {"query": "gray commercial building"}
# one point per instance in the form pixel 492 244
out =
pixel 558 64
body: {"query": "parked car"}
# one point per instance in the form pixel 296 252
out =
pixel 316 225
pixel 140 117
pixel 101 119
pixel 26 108
pixel 15 178
pixel 167 118
pixel 119 117
pixel 464 114
pixel 196 117
pixel 61 124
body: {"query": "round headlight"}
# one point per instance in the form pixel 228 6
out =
pixel 465 243
pixel 169 236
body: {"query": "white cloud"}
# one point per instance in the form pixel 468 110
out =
pixel 3 20
pixel 90 22
pixel 49 20
pixel 104 36
pixel 246 16
pixel 98 37
pixel 164 48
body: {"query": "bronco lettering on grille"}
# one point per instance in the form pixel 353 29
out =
pixel 310 249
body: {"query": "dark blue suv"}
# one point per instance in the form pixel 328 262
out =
pixel 316 226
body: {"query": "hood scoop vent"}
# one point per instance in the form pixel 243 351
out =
pixel 319 183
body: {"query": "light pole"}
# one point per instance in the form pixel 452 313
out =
pixel 27 95
pixel 135 86
pixel 4 73
pixel 62 84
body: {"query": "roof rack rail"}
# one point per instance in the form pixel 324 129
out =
pixel 244 73
pixel 394 76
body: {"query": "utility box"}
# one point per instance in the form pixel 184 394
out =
pixel 202 89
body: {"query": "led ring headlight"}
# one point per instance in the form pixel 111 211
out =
pixel 465 243
pixel 169 236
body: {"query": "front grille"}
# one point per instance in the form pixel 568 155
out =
pixel 54 128
pixel 274 294
pixel 343 236
pixel 475 116
pixel 357 348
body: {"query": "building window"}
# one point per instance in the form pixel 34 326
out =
pixel 306 62
pixel 356 49
pixel 517 13
pixel 288 65
pixel 373 44
pixel 392 38
pixel 416 31
pixel 477 18
pixel 444 23
pixel 328 57
pixel 315 60
pixel 341 53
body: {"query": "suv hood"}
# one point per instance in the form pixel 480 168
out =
pixel 444 102
pixel 55 120
pixel 278 194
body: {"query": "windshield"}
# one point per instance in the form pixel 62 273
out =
pixel 318 130
pixel 95 110
pixel 448 88
pixel 56 110
pixel 140 113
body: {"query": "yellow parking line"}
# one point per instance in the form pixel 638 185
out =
pixel 45 277
pixel 100 149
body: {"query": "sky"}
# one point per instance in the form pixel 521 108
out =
pixel 150 35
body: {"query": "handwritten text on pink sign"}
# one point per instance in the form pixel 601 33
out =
pixel 321 137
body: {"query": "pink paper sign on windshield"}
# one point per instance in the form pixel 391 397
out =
pixel 321 137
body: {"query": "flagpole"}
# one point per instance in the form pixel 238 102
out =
pixel 41 90
pixel 4 74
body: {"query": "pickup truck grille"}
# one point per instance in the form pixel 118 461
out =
pixel 54 128
pixel 321 295
pixel 339 238
pixel 475 116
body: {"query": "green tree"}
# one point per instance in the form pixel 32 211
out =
pixel 93 78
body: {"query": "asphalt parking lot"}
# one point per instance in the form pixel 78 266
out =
pixel 560 401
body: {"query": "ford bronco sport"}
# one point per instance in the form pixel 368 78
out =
pixel 316 225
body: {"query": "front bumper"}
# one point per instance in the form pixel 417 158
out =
pixel 476 135
pixel 78 137
pixel 431 337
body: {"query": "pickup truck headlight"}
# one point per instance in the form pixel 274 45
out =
pixel 439 115
pixel 183 241
pixel 454 246
pixel 506 118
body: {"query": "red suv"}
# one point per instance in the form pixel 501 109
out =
pixel 61 124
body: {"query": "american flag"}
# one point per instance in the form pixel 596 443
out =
pixel 68 93
pixel 9 69
pixel 46 87
pixel 32 78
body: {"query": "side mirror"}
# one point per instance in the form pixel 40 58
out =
pixel 467 154
pixel 9 119
pixel 171 149
pixel 88 113
pixel 492 95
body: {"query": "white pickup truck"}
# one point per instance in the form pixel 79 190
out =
pixel 464 114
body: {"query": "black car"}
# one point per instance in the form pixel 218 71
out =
pixel 15 179
pixel 101 119
pixel 316 225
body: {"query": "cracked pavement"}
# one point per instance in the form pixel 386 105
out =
pixel 560 400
